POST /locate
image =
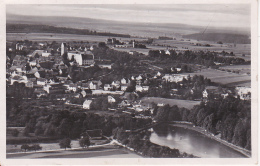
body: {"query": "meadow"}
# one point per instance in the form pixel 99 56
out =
pixel 189 104
pixel 224 78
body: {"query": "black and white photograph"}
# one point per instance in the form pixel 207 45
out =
pixel 130 81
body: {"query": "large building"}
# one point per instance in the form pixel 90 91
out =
pixel 82 58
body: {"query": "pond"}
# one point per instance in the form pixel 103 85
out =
pixel 191 142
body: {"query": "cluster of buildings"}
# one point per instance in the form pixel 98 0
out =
pixel 47 74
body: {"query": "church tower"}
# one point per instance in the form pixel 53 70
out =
pixel 63 49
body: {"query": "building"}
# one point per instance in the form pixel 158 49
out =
pixel 123 87
pixel 107 87
pixel 94 85
pixel 86 104
pixel 111 99
pixel 82 58
pixel 244 93
pixel 41 81
pixel 72 87
pixel 174 77
pixel 63 49
pixel 88 59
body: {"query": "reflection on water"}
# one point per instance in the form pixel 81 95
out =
pixel 191 142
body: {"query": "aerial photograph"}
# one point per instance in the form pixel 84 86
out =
pixel 128 81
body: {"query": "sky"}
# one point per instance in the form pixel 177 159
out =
pixel 226 15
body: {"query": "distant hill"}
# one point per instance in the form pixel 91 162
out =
pixel 132 28
pixel 223 37
pixel 31 28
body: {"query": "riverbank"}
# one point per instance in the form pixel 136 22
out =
pixel 243 151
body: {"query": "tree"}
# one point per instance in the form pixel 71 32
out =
pixel 65 143
pixel 15 133
pixel 102 44
pixel 84 142
pixel 36 147
pixel 25 147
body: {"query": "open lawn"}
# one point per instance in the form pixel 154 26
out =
pixel 189 104
pixel 223 77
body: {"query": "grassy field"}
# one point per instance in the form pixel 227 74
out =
pixel 106 151
pixel 242 69
pixel 180 103
pixel 225 78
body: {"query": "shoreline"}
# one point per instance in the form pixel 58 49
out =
pixel 245 152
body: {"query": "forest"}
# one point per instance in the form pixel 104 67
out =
pixel 30 28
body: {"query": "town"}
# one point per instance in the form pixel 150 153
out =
pixel 80 88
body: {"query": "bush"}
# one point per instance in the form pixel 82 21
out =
pixel 65 143
pixel 25 147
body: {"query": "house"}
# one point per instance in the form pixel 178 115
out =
pixel 95 85
pixel 167 52
pixel 111 99
pixel 145 88
pixel 116 84
pixel 86 104
pixel 33 63
pixel 83 93
pixel 243 92
pixel 209 90
pixel 46 54
pixel 125 81
pixel 41 81
pixel 123 87
pixel 124 103
pixel 174 77
pixel 73 87
pixel 138 88
pixel 107 87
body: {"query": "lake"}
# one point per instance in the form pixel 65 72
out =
pixel 191 142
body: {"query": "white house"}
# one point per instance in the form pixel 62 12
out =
pixel 46 54
pixel 107 87
pixel 138 88
pixel 174 77
pixel 86 104
pixel 73 87
pixel 41 81
pixel 83 93
pixel 111 99
pixel 244 92
pixel 123 87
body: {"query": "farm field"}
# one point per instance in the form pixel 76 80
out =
pixel 242 69
pixel 238 50
pixel 180 103
pixel 225 78
pixel 60 37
